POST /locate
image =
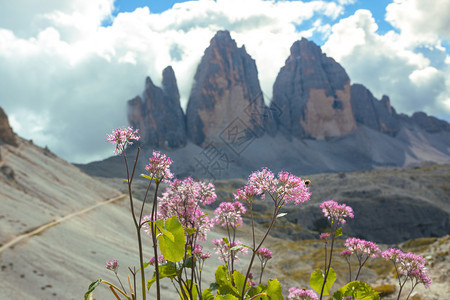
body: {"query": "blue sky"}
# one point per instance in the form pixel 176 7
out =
pixel 68 67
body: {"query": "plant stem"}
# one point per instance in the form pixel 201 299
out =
pixel 155 240
pixel 136 224
pixel 329 265
pixel 276 210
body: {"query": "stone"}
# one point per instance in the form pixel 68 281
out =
pixel 226 104
pixel 373 113
pixel 7 135
pixel 158 114
pixel 313 93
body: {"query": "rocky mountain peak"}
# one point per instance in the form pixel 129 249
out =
pixel 158 114
pixel 226 93
pixel 313 93
pixel 6 133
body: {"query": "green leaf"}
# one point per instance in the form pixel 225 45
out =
pixel 149 177
pixel 186 287
pixel 172 239
pixel 239 279
pixel 225 286
pixel 190 231
pixel 207 294
pixel 359 290
pixel 317 278
pixel 91 288
pixel 226 297
pixel 338 232
pixel 189 262
pixel 274 290
pixel 214 286
pixel 168 270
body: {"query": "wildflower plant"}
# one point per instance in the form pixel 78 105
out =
pixel 336 213
pixel 176 224
pixel 408 266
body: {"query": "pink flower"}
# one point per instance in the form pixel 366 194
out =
pixel 362 248
pixel 229 214
pixel 223 250
pixel 112 265
pixel 159 166
pixel 122 137
pixel 284 189
pixel 324 236
pixel 264 255
pixel 336 212
pixel 346 253
pixel 301 294
pixel 161 260
pixel 409 265
pixel 182 199
pixel 199 254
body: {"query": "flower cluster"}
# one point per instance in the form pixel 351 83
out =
pixel 199 254
pixel 346 254
pixel 159 166
pixel 112 265
pixel 408 264
pixel 324 236
pixel 229 214
pixel 122 137
pixel 264 255
pixel 301 294
pixel 223 250
pixel 182 199
pixel 336 212
pixel 362 248
pixel 161 260
pixel 286 188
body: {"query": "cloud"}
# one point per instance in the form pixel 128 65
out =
pixel 388 64
pixel 420 20
pixel 67 78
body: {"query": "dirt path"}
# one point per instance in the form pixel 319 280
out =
pixel 44 227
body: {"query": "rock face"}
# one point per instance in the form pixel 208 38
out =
pixel 313 93
pixel 158 113
pixel 376 114
pixel 226 93
pixel 6 133
pixel 430 123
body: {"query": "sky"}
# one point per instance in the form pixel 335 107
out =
pixel 68 67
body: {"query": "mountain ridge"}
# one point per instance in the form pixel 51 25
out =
pixel 317 121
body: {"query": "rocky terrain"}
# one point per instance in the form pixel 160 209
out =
pixel 317 121
pixel 58 226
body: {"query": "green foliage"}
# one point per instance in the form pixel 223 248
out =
pixel 357 289
pixel 168 270
pixel 172 239
pixel 338 232
pixel 91 288
pixel 317 278
pixel 224 282
pixel 274 290
pixel 149 177
pixel 187 287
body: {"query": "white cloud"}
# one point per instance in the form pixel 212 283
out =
pixel 387 64
pixel 420 20
pixel 66 79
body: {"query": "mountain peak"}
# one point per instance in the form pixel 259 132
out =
pixel 226 88
pixel 313 93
